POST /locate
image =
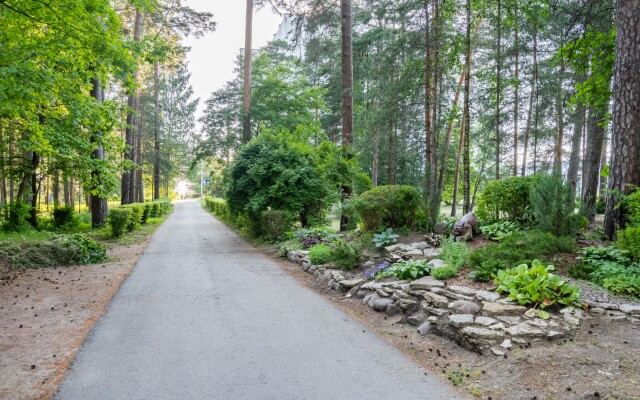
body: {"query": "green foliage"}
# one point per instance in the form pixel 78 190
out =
pixel 118 219
pixel 406 270
pixel 217 206
pixel 275 224
pixel 631 204
pixel 444 273
pixel 311 236
pixel 455 254
pixel 629 240
pixel 519 248
pixel 387 207
pixel 507 200
pixel 277 172
pixel 536 285
pixel 361 183
pixel 320 254
pixel 609 267
pixel 499 230
pixel 286 247
pixel 135 219
pixel 15 217
pixel 62 250
pixel 345 255
pixel 64 217
pixel 385 238
pixel 553 206
pixel 594 257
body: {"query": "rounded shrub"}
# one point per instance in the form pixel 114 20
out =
pixel 629 239
pixel 507 200
pixel 320 254
pixel 64 216
pixel 118 219
pixel 274 224
pixel 387 207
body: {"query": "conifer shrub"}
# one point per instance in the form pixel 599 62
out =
pixel 507 200
pixel 118 219
pixel 553 206
pixel 387 207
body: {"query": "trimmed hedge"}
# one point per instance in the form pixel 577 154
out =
pixel 130 217
pixel 387 207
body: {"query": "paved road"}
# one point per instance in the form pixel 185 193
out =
pixel 205 316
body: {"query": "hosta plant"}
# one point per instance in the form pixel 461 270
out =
pixel 499 230
pixel 536 286
pixel 406 270
pixel 385 238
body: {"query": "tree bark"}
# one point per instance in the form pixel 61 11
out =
pixel 447 139
pixel 456 183
pixel 248 36
pixel 516 94
pixel 428 92
pixel 434 97
pixel 347 92
pixel 595 138
pixel 625 161
pixel 534 83
pixel 498 70
pixel 574 161
pixel 97 200
pixel 466 157
pixel 156 131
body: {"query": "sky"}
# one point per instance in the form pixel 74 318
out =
pixel 211 57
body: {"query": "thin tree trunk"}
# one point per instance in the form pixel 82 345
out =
pixel 456 182
pixel 534 82
pixel 347 92
pixel 603 162
pixel 467 91
pixel 427 94
pixel 56 189
pixel 248 36
pixel 447 139
pixel 97 200
pixel 156 131
pixel 128 177
pixel 434 97
pixel 625 159
pixel 574 161
pixel 516 93
pixel 595 138
pixel 498 88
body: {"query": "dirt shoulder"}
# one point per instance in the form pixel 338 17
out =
pixel 46 314
pixel 600 362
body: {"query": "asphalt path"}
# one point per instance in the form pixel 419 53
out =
pixel 204 315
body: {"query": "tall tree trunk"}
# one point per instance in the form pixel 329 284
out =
pixel 97 199
pixel 516 100
pixel 156 131
pixel 434 97
pixel 625 160
pixel 139 159
pixel 35 163
pixel 534 85
pixel 66 189
pixel 595 138
pixel 128 176
pixel 498 88
pixel 56 189
pixel 248 36
pixel 347 93
pixel 557 162
pixel 574 161
pixel 391 154
pixel 447 139
pixel 456 183
pixel 466 157
pixel 428 92
pixel 603 162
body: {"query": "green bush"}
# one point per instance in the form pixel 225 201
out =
pixel 320 254
pixel 406 270
pixel 361 183
pixel 507 200
pixel 444 273
pixel 146 212
pixel 629 240
pixel 155 210
pixel 135 218
pixel 16 216
pixel 499 230
pixel 345 255
pixel 59 251
pixel 118 219
pixel 519 248
pixel 275 224
pixel 64 217
pixel 631 204
pixel 536 286
pixel 553 206
pixel 455 254
pixel 385 238
pixel 609 267
pixel 387 207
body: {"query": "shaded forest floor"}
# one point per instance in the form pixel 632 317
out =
pixel 600 362
pixel 46 314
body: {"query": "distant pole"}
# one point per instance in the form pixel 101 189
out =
pixel 201 180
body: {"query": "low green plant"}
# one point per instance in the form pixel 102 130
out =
pixel 59 251
pixel 444 273
pixel 454 254
pixel 320 254
pixel 507 200
pixel 15 217
pixel 406 270
pixel 594 257
pixel 609 267
pixel 536 286
pixel 518 248
pixel 344 254
pixel 91 251
pixel 623 280
pixel 629 240
pixel 64 217
pixel 286 247
pixel 118 218
pixel 385 238
pixel 499 230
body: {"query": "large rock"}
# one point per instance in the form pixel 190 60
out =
pixel 484 295
pixel 458 320
pixel 402 248
pixel 462 290
pixel 482 333
pixel 350 283
pixel 631 309
pixel 525 330
pixel 430 254
pixel 425 283
pixel 436 299
pixel 439 228
pixel 420 245
pixel 436 263
pixel 415 254
pixel 464 307
pixel 485 321
pixel 382 304
pixel 417 319
pixel 496 309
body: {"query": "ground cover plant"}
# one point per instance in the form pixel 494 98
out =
pixel 609 267
pixel 405 270
pixel 499 230
pixel 444 273
pixel 454 254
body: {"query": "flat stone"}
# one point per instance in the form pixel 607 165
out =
pixel 631 309
pixel 424 328
pixel 509 320
pixel 398 247
pixel 525 330
pixel 396 258
pixel 349 283
pixel 436 263
pixel 392 310
pixel 498 327
pixel 531 313
pixel 466 291
pixel 459 320
pixel 407 304
pixel 485 321
pixel 327 276
pixel 425 283
pixel 481 333
pixel 506 344
pixel 381 304
pixel 361 294
pixel 555 335
pixel 373 298
pixel 303 253
pixel 373 285
pixel 433 319
pixel 633 321
pixel 420 245
pixel 434 310
pixel 336 286
pixel 415 253
pixel 456 296
pixel 436 299
pixel 431 254
pixel 606 306
pixel 465 307
pixel 439 228
pixel 484 295
pixel 383 293
pixel 312 269
pixel 571 319
pixel 497 351
pixel 416 319
pixel 496 309
pixel 538 322
pixel 597 310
